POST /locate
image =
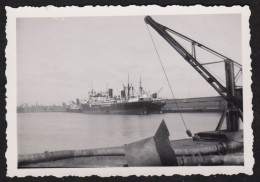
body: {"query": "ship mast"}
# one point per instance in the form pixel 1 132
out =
pixel 140 87
pixel 92 91
pixel 128 89
pixel 132 87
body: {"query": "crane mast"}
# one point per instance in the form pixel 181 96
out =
pixel 234 106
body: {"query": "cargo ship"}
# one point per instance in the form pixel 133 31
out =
pixel 128 102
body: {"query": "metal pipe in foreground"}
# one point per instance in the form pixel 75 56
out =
pixel 211 160
pixel 66 154
pixel 120 151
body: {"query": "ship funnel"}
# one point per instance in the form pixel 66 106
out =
pixel 77 102
pixel 122 93
pixel 110 93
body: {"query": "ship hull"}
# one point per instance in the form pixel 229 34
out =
pixel 136 108
pixel 74 110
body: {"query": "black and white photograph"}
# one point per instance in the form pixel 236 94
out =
pixel 151 89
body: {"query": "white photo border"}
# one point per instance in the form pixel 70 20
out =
pixel 73 11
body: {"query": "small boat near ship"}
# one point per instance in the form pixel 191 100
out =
pixel 74 107
pixel 218 147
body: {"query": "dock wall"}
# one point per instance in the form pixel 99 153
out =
pixel 201 104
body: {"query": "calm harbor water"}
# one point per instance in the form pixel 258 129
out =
pixel 40 132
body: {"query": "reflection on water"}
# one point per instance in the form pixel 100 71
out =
pixel 39 132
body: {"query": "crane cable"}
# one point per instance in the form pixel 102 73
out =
pixel 187 130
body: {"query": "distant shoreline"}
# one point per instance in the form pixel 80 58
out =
pixel 200 104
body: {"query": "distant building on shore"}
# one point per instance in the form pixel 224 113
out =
pixel 25 108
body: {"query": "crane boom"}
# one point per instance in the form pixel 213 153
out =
pixel 234 106
pixel 223 91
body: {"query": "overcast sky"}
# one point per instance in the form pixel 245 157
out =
pixel 58 59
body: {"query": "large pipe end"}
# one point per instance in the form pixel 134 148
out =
pixel 153 151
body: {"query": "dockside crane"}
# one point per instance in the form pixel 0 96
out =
pixel 229 92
